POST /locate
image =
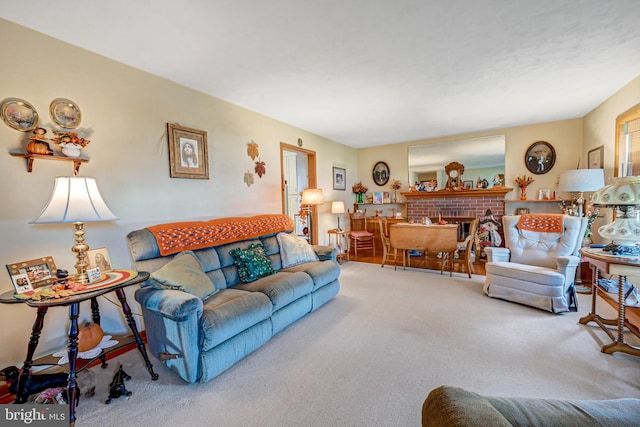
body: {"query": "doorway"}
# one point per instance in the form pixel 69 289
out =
pixel 298 172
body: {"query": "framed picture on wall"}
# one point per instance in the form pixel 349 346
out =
pixel 339 178
pixel 596 158
pixel 187 152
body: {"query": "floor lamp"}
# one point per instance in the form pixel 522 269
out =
pixel 76 199
pixel 577 182
pixel 310 198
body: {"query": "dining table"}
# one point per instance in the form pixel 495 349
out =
pixel 434 238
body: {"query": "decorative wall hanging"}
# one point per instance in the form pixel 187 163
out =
pixel 187 152
pixel 19 114
pixel 339 178
pixel 596 158
pixel 260 168
pixel 65 113
pixel 540 157
pixel 380 173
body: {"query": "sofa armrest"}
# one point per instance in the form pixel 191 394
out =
pixel 454 407
pixel 174 305
pixel 497 254
pixel 325 252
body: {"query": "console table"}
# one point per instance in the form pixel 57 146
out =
pixel 621 267
pixel 427 238
pixel 127 278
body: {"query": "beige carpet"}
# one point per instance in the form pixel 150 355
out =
pixel 370 357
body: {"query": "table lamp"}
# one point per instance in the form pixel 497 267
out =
pixel 580 181
pixel 623 195
pixel 310 198
pixel 76 199
pixel 337 208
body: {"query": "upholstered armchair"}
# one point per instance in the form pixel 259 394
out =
pixel 537 266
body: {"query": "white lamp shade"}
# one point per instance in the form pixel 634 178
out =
pixel 337 207
pixel 581 180
pixel 312 196
pixel 75 199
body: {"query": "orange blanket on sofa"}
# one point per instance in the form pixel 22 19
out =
pixel 180 236
pixel 543 223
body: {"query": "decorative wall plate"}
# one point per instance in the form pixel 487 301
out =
pixel 380 173
pixel 65 113
pixel 19 114
pixel 540 157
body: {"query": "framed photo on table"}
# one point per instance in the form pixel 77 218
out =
pixel 99 258
pixel 339 178
pixel 544 194
pixel 378 198
pixel 29 275
pixel 187 152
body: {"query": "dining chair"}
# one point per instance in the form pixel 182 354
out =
pixel 359 237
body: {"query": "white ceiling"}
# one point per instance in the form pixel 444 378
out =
pixel 366 72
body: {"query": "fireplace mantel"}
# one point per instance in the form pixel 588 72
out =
pixel 495 192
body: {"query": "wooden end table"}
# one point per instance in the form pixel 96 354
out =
pixel 621 267
pixel 128 278
pixel 340 236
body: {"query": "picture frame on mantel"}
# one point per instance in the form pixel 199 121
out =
pixel 187 152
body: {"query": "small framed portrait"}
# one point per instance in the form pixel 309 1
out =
pixel 544 194
pixel 18 114
pixel 339 178
pixel 386 197
pixel 522 211
pixel 378 197
pixel 29 275
pixel 468 185
pixel 596 158
pixel 540 157
pixel 187 152
pixel 99 258
pixel 65 113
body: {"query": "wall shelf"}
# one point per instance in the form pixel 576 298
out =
pixel 32 157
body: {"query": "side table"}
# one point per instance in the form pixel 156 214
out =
pixel 620 267
pixel 128 278
pixel 339 235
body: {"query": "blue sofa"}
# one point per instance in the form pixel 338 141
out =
pixel 200 337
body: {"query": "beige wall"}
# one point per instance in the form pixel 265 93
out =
pixel 565 136
pixel 124 113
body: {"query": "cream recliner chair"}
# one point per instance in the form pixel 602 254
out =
pixel 538 265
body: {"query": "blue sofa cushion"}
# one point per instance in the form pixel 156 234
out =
pixel 281 288
pixel 230 312
pixel 183 273
pixel 295 250
pixel 252 263
pixel 322 272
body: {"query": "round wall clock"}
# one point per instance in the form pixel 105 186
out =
pixel 380 173
pixel 540 157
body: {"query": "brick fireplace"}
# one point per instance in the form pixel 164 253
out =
pixel 455 206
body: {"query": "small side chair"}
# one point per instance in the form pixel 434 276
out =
pixel 388 254
pixel 359 237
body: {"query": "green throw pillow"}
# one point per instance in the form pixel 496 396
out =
pixel 252 263
pixel 184 273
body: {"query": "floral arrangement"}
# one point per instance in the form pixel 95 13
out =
pixel 358 188
pixel 523 181
pixel 69 138
pixel 592 214
pixel 396 184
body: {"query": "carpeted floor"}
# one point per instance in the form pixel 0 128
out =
pixel 370 357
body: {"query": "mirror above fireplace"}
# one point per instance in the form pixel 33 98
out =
pixel 482 158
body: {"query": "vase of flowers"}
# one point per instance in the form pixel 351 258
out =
pixel 70 142
pixel 359 190
pixel 523 182
pixel 395 185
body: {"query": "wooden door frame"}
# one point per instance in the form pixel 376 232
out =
pixel 313 181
